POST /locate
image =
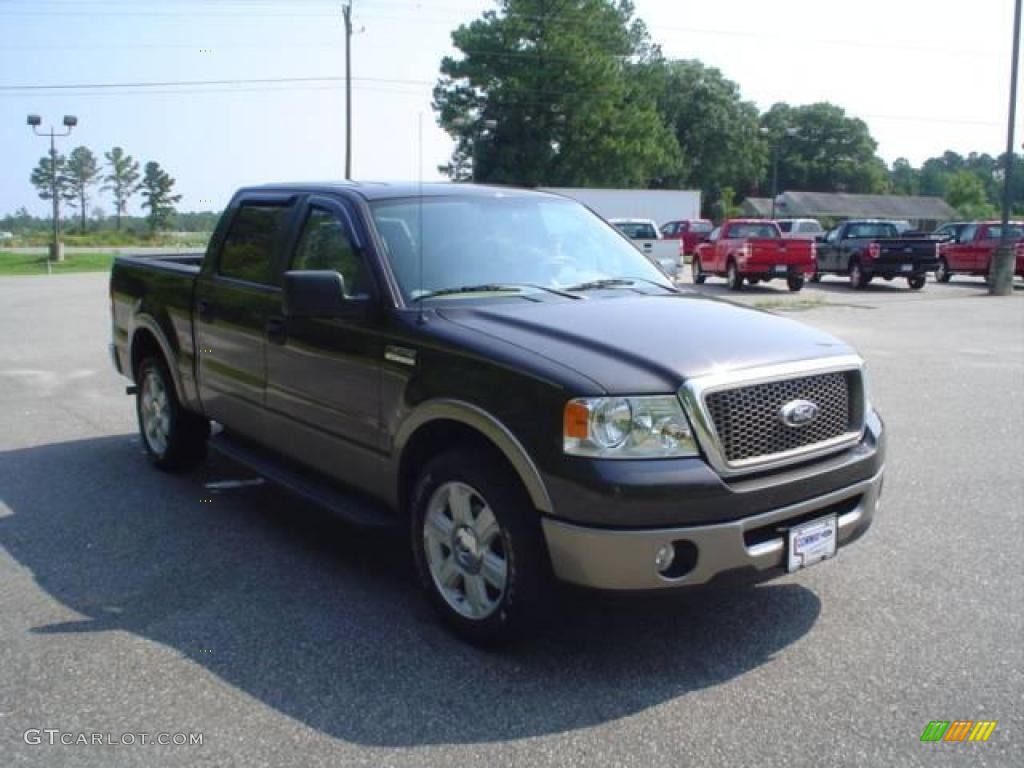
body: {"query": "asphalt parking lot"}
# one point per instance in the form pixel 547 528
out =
pixel 133 601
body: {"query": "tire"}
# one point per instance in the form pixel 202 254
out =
pixel 698 276
pixel 174 439
pixel 795 283
pixel 816 277
pixel 942 273
pixel 733 278
pixel 916 282
pixel 857 278
pixel 485 575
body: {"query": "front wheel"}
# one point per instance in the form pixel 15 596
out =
pixel 795 283
pixel 698 276
pixel 733 278
pixel 174 439
pixel 916 282
pixel 942 274
pixel 478 547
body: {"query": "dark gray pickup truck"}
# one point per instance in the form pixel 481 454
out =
pixel 503 375
pixel 863 249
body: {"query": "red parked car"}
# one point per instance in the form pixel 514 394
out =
pixel 970 252
pixel 691 232
pixel 753 250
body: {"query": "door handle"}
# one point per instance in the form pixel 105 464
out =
pixel 205 310
pixel 277 330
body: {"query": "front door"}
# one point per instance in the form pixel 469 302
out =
pixel 232 303
pixel 323 374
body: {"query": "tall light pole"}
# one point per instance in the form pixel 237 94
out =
pixel 346 10
pixel 1001 282
pixel 70 121
pixel 776 140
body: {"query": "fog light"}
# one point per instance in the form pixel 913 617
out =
pixel 663 560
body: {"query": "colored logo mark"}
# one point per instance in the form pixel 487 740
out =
pixel 958 730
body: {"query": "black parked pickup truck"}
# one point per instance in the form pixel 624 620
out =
pixel 864 249
pixel 503 375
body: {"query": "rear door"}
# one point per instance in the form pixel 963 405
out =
pixel 323 374
pixel 828 252
pixel 233 301
pixel 960 254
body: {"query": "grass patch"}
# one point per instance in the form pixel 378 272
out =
pixel 35 263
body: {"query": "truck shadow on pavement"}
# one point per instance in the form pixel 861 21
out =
pixel 325 623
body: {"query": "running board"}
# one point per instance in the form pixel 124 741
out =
pixel 349 506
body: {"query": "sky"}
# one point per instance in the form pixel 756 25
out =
pixel 925 76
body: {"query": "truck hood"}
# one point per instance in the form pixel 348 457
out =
pixel 633 344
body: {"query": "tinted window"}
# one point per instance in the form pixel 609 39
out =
pixel 669 229
pixel 325 244
pixel 995 233
pixel 880 229
pixel 810 226
pixel 968 234
pixel 637 230
pixel 785 226
pixel 763 231
pixel 248 251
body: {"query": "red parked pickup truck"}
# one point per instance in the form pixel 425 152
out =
pixel 970 252
pixel 753 250
pixel 691 232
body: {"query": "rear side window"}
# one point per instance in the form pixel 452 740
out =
pixel 248 250
pixel 785 226
pixel 810 226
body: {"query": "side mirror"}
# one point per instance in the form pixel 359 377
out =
pixel 319 293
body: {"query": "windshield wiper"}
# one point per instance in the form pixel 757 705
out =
pixel 493 288
pixel 616 282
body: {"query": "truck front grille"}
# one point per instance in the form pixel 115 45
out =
pixel 747 419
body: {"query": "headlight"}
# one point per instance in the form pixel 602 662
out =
pixel 648 427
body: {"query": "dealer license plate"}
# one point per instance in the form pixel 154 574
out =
pixel 906 268
pixel 811 542
pixel 781 269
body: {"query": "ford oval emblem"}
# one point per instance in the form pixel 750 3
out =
pixel 798 413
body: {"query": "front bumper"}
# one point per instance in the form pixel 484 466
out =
pixel 752 546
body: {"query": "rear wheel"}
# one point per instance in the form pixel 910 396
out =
pixel 857 277
pixel 942 274
pixel 733 278
pixel 916 282
pixel 795 283
pixel 174 439
pixel 478 547
pixel 695 270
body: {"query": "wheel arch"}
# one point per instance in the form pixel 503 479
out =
pixel 453 422
pixel 147 338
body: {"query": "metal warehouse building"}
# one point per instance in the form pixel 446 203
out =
pixel 922 212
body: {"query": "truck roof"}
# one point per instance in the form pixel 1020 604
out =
pixel 383 190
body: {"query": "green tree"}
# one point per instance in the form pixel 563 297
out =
pixel 42 176
pixel 966 192
pixel 82 173
pixel 903 177
pixel 122 180
pixel 157 185
pixel 543 93
pixel 821 149
pixel 717 131
pixel 725 206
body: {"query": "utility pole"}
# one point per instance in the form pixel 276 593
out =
pixel 70 121
pixel 1001 280
pixel 346 10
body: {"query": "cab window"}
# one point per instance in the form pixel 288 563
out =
pixel 325 244
pixel 248 250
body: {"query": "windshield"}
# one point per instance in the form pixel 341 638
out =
pixel 468 241
pixel 752 230
pixel 637 230
pixel 871 230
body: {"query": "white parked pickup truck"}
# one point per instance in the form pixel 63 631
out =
pixel 648 239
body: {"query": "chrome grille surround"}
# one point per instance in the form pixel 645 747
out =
pixel 737 454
